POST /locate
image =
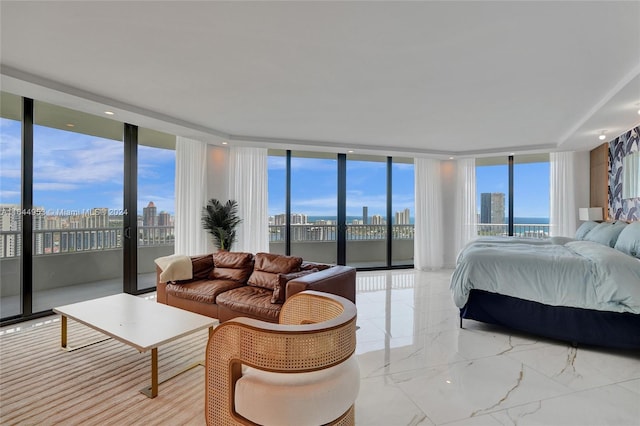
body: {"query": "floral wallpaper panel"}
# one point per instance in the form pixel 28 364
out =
pixel 623 145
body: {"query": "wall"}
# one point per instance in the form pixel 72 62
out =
pixel 623 145
pixel 217 179
pixel 581 182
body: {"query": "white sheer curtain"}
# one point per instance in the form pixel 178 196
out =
pixel 191 196
pixel 428 242
pixel 248 186
pixel 465 208
pixel 562 193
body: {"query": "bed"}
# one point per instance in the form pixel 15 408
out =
pixel 583 290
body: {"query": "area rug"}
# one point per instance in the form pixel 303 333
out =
pixel 41 384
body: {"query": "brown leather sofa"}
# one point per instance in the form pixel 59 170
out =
pixel 226 285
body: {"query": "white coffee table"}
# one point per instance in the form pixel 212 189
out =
pixel 139 323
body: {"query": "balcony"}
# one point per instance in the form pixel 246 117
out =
pixel 366 244
pixel 71 265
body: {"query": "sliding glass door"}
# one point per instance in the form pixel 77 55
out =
pixel 366 211
pixel 10 204
pixel 350 209
pixel 77 206
pixel 155 202
pixel 69 202
pixel 314 191
pixel 403 208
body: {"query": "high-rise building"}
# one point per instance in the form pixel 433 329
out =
pixel 376 219
pixel 365 215
pixel 150 215
pixel 492 207
pixel 98 218
pixel 164 219
pixel 403 217
pixel 296 219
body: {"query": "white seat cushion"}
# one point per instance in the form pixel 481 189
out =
pixel 298 399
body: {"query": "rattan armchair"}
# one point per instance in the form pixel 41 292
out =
pixel 305 366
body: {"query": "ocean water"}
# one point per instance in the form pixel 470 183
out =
pixel 516 220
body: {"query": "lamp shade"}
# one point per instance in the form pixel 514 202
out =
pixel 590 213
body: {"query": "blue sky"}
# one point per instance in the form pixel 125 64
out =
pixel 75 171
pixel 314 183
pixel 314 186
pixel 531 187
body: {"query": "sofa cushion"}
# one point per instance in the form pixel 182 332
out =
pixel 204 291
pixel 250 301
pixel 279 292
pixel 202 266
pixel 267 267
pixel 234 266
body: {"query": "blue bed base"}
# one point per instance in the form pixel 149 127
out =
pixel 574 325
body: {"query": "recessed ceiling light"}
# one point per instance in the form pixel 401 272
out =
pixel 350 151
pixel 109 112
pixel 602 136
pixel 71 125
pixel 450 158
pixel 225 143
pixel 512 153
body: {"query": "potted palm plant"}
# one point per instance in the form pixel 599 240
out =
pixel 220 220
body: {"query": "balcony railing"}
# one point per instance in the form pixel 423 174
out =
pixel 95 239
pixel 53 241
pixel 312 232
pixel 523 230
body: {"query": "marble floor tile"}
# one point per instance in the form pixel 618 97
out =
pixel 418 367
pixel 381 402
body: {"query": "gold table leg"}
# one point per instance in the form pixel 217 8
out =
pixel 152 391
pixel 63 334
pixel 63 337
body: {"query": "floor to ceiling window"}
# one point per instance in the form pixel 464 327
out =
pixel 314 191
pixel 531 176
pixel 366 211
pixel 529 195
pixel 67 207
pixel 277 188
pixel 403 208
pixel 492 186
pixel 342 208
pixel 156 202
pixel 78 206
pixel 10 204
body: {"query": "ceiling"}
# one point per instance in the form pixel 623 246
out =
pixel 422 78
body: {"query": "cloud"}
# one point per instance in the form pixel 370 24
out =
pixel 54 186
